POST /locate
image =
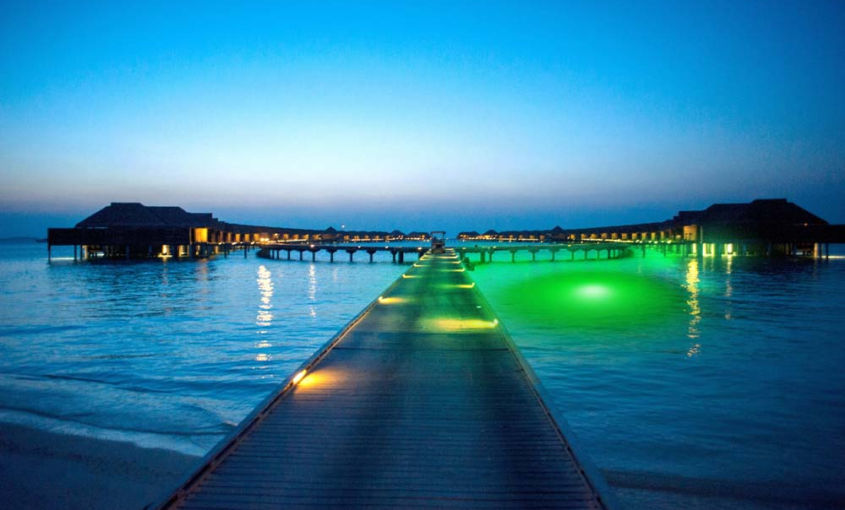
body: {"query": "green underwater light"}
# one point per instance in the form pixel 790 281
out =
pixel 588 298
pixel 594 291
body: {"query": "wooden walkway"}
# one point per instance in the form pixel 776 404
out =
pixel 420 402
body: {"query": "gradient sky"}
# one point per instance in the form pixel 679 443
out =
pixel 419 115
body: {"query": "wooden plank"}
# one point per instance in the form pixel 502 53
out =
pixel 422 401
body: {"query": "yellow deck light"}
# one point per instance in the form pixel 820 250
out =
pixel 298 377
pixel 449 324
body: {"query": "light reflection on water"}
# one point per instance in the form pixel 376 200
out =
pixel 732 397
pixel 692 287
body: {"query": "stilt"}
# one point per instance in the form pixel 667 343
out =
pixel 49 252
pixel 74 253
pixel 313 256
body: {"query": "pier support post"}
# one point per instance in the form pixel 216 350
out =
pixel 572 256
pixel 827 251
pixel 331 256
pixel 393 253
pixel 401 257
pixel 74 253
pixel 313 255
pixel 371 253
pixel 300 254
pixel 49 252
pixel 553 252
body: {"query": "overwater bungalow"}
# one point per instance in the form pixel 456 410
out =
pixel 761 227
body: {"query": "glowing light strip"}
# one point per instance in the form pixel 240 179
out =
pixel 298 377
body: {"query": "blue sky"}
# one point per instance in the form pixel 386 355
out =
pixel 419 115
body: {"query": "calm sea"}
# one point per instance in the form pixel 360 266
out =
pixel 691 384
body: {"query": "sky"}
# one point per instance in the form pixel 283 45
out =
pixel 419 115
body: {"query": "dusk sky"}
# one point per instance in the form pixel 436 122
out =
pixel 425 115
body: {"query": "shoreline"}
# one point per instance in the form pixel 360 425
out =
pixel 43 470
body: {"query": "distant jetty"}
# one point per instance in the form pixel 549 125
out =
pixel 768 227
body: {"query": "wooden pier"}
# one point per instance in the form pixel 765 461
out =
pixel 485 253
pixel 422 401
pixel 274 251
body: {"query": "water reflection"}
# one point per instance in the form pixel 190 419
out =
pixel 312 290
pixel 692 301
pixel 265 287
pixel 729 289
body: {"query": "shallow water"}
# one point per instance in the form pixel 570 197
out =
pixel 167 354
pixel 693 384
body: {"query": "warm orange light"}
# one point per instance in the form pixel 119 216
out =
pixel 298 377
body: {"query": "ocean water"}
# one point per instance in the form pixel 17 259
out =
pixel 717 383
pixel 163 354
pixel 714 383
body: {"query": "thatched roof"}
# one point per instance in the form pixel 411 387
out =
pixel 778 211
pixel 133 214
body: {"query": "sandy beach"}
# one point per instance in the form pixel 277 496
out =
pixel 43 470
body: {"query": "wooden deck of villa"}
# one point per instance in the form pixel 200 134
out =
pixel 422 401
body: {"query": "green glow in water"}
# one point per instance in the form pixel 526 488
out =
pixel 594 298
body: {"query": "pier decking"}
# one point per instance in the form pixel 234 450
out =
pixel 421 402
